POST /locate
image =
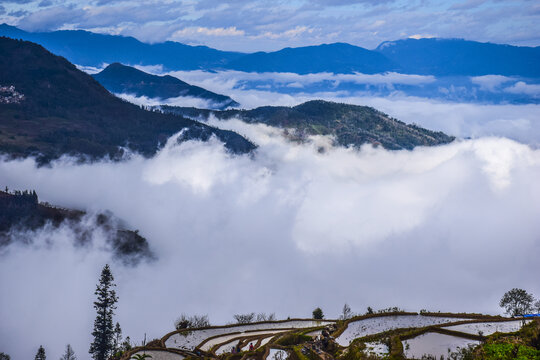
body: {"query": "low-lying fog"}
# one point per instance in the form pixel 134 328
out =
pixel 286 230
pixel 520 122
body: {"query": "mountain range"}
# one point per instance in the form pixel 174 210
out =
pixel 439 57
pixel 336 58
pixel 50 108
pixel 453 57
pixel 118 79
pixel 91 49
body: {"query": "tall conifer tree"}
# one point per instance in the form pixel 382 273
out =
pixel 103 333
pixel 40 354
pixel 117 338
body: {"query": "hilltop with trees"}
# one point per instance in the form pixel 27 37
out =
pixel 119 78
pixel 349 124
pixel 21 211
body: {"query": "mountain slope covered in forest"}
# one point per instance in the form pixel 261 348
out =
pixel 122 79
pixel 50 108
pixel 350 124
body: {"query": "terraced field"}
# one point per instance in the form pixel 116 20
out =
pixel 375 325
pixel 206 339
pixel 434 344
pixel 373 335
pixel 488 328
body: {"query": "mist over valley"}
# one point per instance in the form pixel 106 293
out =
pixel 234 194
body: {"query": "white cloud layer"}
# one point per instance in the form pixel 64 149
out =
pixel 490 82
pixel 464 120
pixel 196 31
pixel 188 101
pixel 522 87
pixel 234 77
pixel 285 230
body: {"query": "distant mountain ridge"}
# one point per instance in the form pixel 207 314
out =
pixel 450 57
pixel 59 110
pixel 336 57
pixel 350 124
pixel 119 78
pixel 440 57
pixel 91 49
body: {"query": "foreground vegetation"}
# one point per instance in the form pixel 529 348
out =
pixel 317 342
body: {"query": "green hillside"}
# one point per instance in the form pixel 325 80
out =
pixel 350 124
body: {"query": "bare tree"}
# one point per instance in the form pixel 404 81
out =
pixel 199 321
pixel 266 317
pixel 537 306
pixel 69 354
pixel 190 322
pixel 517 302
pixel 244 318
pixel 346 312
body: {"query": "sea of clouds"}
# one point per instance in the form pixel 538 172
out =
pixel 520 122
pixel 287 228
pixel 284 230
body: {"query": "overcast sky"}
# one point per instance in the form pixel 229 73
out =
pixel 270 25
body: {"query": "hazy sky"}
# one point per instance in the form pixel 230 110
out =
pixel 269 25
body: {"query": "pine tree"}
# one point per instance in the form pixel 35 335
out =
pixel 40 354
pixel 69 354
pixel 103 333
pixel 126 344
pixel 117 341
